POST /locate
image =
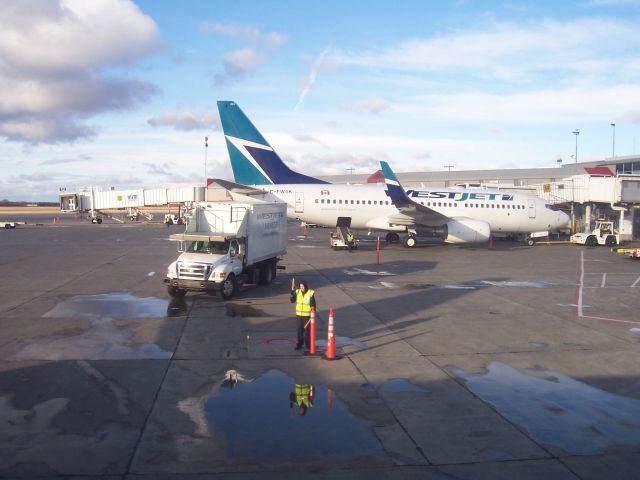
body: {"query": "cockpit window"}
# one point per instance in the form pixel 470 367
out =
pixel 551 207
pixel 218 248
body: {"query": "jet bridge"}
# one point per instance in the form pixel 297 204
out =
pixel 97 202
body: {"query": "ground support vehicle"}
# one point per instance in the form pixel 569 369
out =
pixel 173 219
pixel 633 252
pixel 9 223
pixel 227 244
pixel 602 234
pixel 338 239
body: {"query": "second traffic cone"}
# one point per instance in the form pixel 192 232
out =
pixel 330 353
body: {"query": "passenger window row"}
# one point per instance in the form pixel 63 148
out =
pixel 473 205
pixel 352 202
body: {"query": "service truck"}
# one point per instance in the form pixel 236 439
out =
pixel 226 244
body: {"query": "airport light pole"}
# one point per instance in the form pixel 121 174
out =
pixel 613 147
pixel 206 146
pixel 576 132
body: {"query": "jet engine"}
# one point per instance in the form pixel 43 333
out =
pixel 467 231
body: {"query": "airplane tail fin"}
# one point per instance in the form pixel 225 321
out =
pixel 397 194
pixel 253 160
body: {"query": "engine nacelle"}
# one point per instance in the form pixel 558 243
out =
pixel 467 231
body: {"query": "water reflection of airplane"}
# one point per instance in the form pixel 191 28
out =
pixel 194 406
pixel 453 215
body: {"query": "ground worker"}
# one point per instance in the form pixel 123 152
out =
pixel 305 300
pixel 303 397
pixel 350 240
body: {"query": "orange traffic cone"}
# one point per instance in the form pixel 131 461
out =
pixel 330 353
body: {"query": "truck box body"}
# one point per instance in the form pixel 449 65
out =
pixel 264 225
pixel 222 240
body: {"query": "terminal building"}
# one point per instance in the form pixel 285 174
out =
pixel 601 190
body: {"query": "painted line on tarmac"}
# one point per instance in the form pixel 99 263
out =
pixel 579 297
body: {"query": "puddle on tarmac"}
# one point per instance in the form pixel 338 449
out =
pixel 258 419
pixel 238 310
pixel 537 344
pixel 399 385
pixel 177 307
pixel 556 409
pixel 109 305
pixel 102 339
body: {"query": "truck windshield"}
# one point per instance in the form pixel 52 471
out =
pixel 218 248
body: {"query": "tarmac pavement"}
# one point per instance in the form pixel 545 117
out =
pixel 457 361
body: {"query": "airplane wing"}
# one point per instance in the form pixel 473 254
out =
pixel 238 188
pixel 409 212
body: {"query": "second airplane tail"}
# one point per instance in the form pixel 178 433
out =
pixel 253 160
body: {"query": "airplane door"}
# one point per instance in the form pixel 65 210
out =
pixel 532 209
pixel 299 202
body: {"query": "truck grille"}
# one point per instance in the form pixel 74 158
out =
pixel 193 271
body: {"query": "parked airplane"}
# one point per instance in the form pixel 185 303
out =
pixel 454 215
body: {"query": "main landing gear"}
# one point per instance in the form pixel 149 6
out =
pixel 409 241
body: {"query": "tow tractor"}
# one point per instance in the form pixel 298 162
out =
pixel 602 234
pixel 9 223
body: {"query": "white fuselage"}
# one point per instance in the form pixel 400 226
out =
pixel 369 207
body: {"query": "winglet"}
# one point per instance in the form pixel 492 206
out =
pixel 397 194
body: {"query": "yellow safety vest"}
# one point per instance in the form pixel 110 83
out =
pixel 349 237
pixel 303 395
pixel 303 309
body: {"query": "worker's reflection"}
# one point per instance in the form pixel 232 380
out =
pixel 302 397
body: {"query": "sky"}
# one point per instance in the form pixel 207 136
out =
pixel 121 93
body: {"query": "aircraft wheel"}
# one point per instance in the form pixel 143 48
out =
pixel 392 237
pixel 531 242
pixel 409 241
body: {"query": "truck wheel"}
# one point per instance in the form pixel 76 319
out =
pixel 176 292
pixel 392 237
pixel 229 287
pixel 7 226
pixel 611 241
pixel 266 273
pixel 592 241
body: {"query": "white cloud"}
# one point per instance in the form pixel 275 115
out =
pixel 246 34
pixel 535 107
pixel 507 51
pixel 53 56
pixel 249 58
pixel 372 106
pixel 186 121
pixel 242 62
